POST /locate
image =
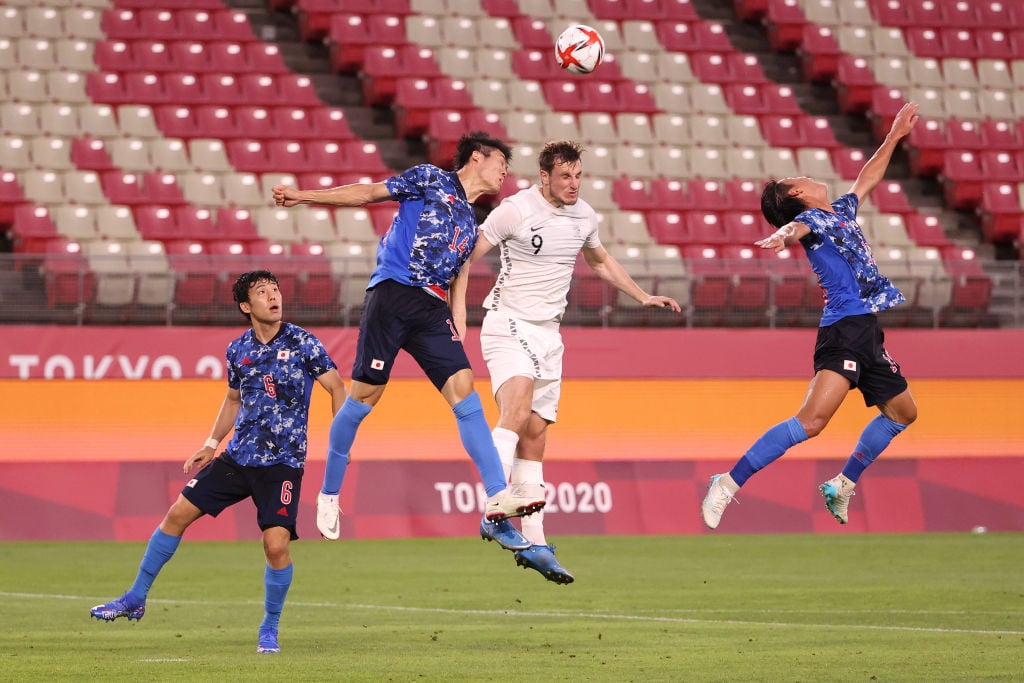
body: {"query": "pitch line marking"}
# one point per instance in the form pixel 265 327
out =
pixel 581 615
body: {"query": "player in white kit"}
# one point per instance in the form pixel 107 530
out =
pixel 540 231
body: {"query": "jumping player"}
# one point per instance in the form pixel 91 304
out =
pixel 271 369
pixel 541 230
pixel 406 307
pixel 849 351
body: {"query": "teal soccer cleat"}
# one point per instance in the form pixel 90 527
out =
pixel 542 558
pixel 503 533
pixel 124 606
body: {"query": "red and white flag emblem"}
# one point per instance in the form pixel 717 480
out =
pixel 283 354
pixel 377 364
pixel 850 365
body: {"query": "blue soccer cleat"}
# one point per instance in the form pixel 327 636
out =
pixel 268 641
pixel 542 558
pixel 503 533
pixel 124 606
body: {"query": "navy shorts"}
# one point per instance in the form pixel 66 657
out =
pixel 397 316
pixel 854 347
pixel 274 491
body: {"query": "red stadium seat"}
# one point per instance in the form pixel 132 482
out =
pixel 924 41
pixel 162 188
pixel 327 156
pixel 925 230
pixel 819 53
pixel 855 84
pixel 178 121
pixel 743 194
pixel 235 223
pixel 89 153
pixel 382 66
pixel 998 134
pixel 288 156
pixel 257 123
pixel 667 226
pixel 781 130
pixel 962 179
pixel 230 24
pixel 1002 217
pixel 123 188
pixel 670 194
pixel 677 36
pixel 633 194
pixel 784 21
pixel 144 88
pixel 960 42
pixel 927 144
pixel 248 155
pixel 1000 166
pixel 182 88
pixel 927 13
pixel 230 57
pixel 532 33
pixel 297 90
pixel 226 90
pixel 704 227
pixel 157 222
pixel 189 55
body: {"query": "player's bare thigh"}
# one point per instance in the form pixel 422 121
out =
pixel 825 394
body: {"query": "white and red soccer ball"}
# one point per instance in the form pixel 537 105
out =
pixel 579 49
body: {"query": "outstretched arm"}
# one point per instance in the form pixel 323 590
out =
pixel 612 272
pixel 457 291
pixel 874 170
pixel 354 194
pixel 786 236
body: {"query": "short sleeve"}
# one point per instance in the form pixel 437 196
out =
pixel 593 240
pixel 846 206
pixel 501 224
pixel 409 184
pixel 317 360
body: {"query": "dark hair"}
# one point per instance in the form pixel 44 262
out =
pixel 559 152
pixel 777 207
pixel 245 282
pixel 479 141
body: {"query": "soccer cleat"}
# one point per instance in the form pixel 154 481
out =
pixel 515 501
pixel 328 516
pixel 837 492
pixel 268 641
pixel 542 558
pixel 503 533
pixel 718 497
pixel 124 606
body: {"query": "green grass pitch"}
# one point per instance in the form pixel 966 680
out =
pixel 928 607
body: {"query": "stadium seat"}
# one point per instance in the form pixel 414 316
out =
pixel 819 53
pixel 962 179
pixel 170 120
pixel 1001 214
pixel 123 188
pixel 784 21
pixel 926 147
pixel 855 84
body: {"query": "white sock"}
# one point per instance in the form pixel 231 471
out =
pixel 505 440
pixel 530 472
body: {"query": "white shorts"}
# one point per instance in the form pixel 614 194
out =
pixel 517 348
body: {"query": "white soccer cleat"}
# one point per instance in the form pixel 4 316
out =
pixel 328 516
pixel 515 501
pixel 721 491
pixel 837 492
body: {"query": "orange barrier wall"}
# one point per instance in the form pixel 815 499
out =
pixel 691 419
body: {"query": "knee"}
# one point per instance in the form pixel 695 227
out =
pixel 906 416
pixel 813 425
pixel 276 552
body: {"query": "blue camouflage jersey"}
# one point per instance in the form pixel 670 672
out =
pixel 842 260
pixel 275 381
pixel 433 233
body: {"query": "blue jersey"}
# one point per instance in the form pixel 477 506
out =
pixel 433 233
pixel 275 381
pixel 842 260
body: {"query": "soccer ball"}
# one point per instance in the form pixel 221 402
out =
pixel 579 49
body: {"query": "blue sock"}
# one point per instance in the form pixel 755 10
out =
pixel 161 548
pixel 277 583
pixel 478 442
pixel 343 433
pixel 768 448
pixel 873 440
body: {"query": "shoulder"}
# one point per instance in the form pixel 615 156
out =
pixel 847 205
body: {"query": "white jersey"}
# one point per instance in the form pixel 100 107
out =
pixel 539 245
